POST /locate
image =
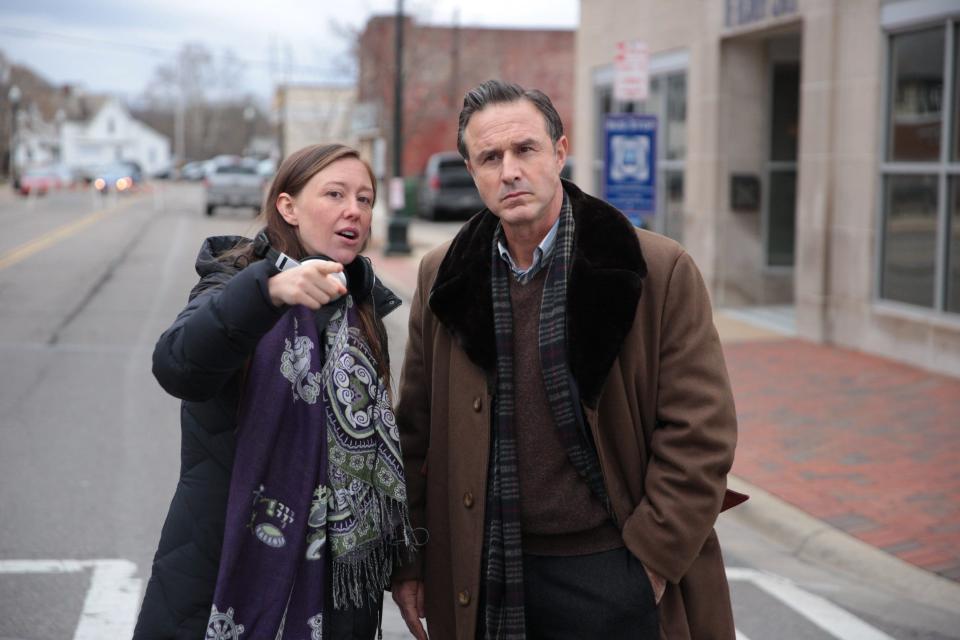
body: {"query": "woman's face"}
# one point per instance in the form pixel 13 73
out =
pixel 332 213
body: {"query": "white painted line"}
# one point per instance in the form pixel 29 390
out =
pixel 113 598
pixel 838 622
pixel 741 635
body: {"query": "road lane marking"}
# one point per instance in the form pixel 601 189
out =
pixel 836 621
pixel 112 601
pixel 52 237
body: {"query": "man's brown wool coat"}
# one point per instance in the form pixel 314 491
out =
pixel 652 380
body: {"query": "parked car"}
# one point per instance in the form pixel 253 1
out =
pixel 133 168
pixel 37 180
pixel 447 190
pixel 118 176
pixel 193 171
pixel 64 176
pixel 234 185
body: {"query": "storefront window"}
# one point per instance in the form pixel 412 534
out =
pixel 953 257
pixel 673 205
pixel 781 226
pixel 917 93
pixel 675 122
pixel 956 98
pixel 920 235
pixel 910 239
pixel 666 99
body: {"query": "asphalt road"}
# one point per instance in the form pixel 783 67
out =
pixel 89 443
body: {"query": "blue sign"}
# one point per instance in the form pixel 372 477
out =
pixel 630 169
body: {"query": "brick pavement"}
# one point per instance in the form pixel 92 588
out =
pixel 870 446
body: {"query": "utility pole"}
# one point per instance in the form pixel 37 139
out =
pixel 14 97
pixel 397 227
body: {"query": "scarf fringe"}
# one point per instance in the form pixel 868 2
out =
pixel 367 570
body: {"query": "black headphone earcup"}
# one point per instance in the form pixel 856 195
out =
pixel 360 277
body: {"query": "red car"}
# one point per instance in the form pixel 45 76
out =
pixel 37 181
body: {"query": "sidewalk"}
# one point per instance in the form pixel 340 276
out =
pixel 865 445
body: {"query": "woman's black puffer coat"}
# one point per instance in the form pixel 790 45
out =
pixel 200 359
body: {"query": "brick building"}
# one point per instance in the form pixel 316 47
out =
pixel 440 65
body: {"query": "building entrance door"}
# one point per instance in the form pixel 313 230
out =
pixel 780 215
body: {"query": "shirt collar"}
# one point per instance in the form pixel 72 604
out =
pixel 540 254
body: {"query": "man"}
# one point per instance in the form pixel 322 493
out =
pixel 565 414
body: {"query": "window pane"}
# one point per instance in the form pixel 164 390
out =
pixel 785 117
pixel 675 124
pixel 917 85
pixel 781 226
pixel 953 257
pixel 910 239
pixel 956 96
pixel 673 205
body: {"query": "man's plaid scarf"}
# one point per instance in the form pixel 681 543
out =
pixel 504 614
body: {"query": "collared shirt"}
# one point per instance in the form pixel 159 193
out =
pixel 541 254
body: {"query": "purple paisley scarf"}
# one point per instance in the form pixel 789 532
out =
pixel 317 511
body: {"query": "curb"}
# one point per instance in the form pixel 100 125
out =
pixel 810 539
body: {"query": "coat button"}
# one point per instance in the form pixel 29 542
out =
pixel 468 500
pixel 463 598
pixel 477 404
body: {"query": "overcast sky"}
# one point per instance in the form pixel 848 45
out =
pixel 114 45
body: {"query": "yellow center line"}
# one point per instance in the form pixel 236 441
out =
pixel 52 237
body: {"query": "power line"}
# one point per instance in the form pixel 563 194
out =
pixel 152 50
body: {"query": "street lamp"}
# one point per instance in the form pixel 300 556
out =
pixel 397 227
pixel 14 97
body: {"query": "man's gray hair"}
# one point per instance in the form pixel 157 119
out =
pixel 497 92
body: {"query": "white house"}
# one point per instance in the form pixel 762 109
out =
pixel 112 134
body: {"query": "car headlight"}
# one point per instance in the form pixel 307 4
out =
pixel 99 184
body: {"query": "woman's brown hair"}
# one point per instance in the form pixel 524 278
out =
pixel 292 176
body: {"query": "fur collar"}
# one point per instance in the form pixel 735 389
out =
pixel 606 281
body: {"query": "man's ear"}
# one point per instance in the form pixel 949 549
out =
pixel 561 148
pixel 285 205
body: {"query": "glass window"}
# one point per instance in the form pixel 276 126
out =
pixel 953 250
pixel 917 91
pixel 956 96
pixel 667 101
pixel 675 124
pixel 785 124
pixel 781 223
pixel 673 205
pixel 910 239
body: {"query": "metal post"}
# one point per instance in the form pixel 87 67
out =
pixel 397 227
pixel 14 97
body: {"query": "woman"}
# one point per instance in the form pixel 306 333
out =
pixel 291 505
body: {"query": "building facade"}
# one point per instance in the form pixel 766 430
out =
pixel 440 64
pixel 111 134
pixel 808 154
pixel 314 114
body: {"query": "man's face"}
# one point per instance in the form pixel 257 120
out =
pixel 514 163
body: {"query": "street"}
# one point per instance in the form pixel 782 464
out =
pixel 89 443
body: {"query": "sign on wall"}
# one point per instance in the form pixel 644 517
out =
pixel 631 71
pixel 630 171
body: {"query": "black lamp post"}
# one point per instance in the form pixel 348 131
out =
pixel 14 97
pixel 397 227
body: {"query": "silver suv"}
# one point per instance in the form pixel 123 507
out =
pixel 234 185
pixel 448 190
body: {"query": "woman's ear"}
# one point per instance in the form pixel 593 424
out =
pixel 287 208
